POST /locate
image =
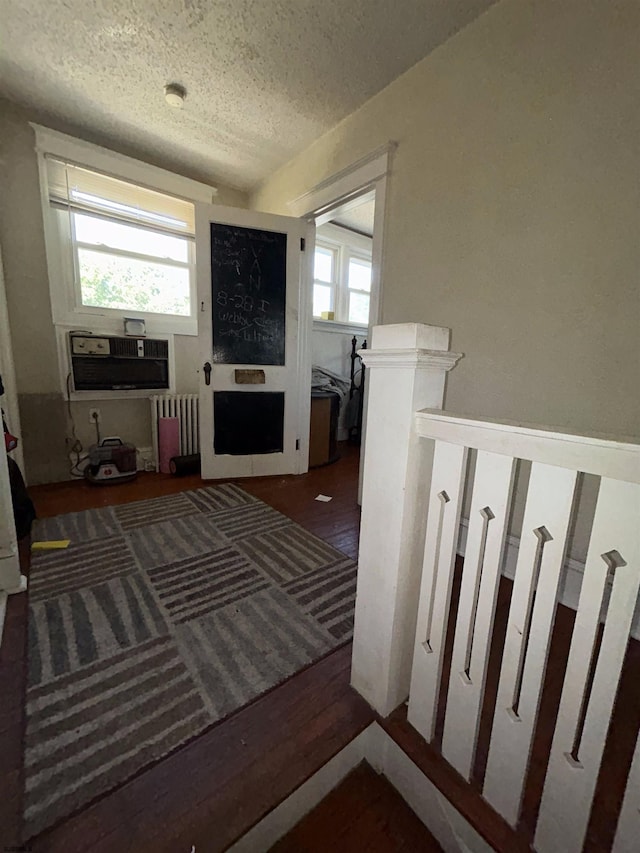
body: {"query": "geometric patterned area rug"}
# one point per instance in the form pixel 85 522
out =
pixel 161 618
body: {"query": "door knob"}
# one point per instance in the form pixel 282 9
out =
pixel 207 373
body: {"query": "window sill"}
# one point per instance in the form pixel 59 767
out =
pixel 337 327
pixel 112 323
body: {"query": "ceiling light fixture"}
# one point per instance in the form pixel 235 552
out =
pixel 174 95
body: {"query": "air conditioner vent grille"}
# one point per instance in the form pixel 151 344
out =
pixel 110 363
pixel 156 349
pixel 123 347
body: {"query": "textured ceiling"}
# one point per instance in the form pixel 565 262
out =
pixel 359 218
pixel 264 77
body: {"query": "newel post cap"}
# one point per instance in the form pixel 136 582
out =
pixel 410 345
pixel 410 336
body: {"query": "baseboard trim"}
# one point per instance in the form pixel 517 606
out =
pixel 570 584
pixel 452 831
pixel 289 812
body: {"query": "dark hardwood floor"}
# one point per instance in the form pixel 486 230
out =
pixel 214 789
pixel 467 798
pixel 211 791
pixel 338 521
pixel 13 671
pixel 364 812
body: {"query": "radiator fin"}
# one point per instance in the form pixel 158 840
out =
pixel 184 407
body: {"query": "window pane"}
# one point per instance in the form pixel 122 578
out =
pixel 108 281
pixel 321 299
pixel 360 274
pixel 358 307
pixel 128 238
pixel 323 267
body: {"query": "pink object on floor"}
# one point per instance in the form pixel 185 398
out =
pixel 168 441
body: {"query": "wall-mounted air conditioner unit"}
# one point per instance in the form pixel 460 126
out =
pixel 109 363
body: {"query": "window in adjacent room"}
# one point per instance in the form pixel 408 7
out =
pixel 325 279
pixel 342 275
pixel 359 284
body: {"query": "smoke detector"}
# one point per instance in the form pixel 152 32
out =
pixel 174 95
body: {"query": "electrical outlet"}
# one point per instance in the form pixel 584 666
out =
pixel 94 416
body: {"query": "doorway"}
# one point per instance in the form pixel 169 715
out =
pixel 363 182
pixel 342 301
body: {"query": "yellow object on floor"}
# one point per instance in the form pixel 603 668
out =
pixel 53 545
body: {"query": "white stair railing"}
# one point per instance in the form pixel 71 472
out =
pixel 595 658
pixel 424 469
pixel 593 669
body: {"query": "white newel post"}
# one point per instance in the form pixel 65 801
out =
pixel 407 366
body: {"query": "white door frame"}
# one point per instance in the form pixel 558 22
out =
pixel 10 578
pixel 319 204
pixel 7 369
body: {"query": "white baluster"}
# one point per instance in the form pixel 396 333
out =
pixel 445 503
pixel 530 625
pixel 474 626
pixel 593 674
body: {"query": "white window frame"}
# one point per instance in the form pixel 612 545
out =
pixel 334 283
pixel 73 311
pixel 67 311
pixel 347 245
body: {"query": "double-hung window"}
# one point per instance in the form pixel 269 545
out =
pixel 359 289
pixel 325 279
pixel 342 276
pixel 125 250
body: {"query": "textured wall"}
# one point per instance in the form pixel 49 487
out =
pixel 513 208
pixel 42 406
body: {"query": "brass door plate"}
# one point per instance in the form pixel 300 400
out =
pixel 250 377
